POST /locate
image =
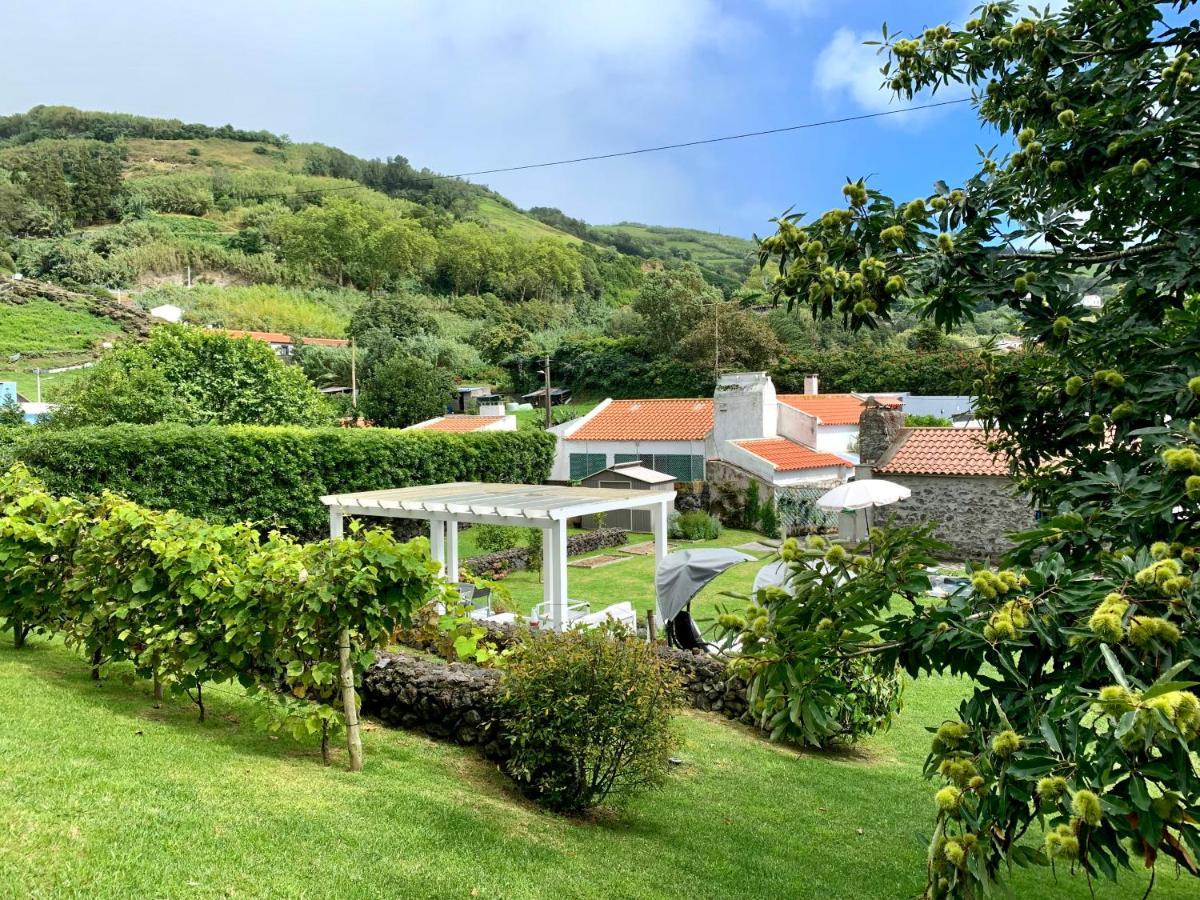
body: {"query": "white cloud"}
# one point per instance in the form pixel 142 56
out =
pixel 847 68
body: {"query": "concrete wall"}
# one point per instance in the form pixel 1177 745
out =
pixel 836 438
pixel 744 406
pixel 797 426
pixel 974 514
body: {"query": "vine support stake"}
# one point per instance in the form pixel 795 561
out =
pixel 349 699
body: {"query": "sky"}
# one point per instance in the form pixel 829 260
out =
pixel 467 85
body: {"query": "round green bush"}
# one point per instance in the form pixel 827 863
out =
pixel 587 715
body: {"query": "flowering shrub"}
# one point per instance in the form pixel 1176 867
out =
pixel 587 715
pixel 695 525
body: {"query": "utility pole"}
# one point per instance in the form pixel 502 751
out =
pixel 38 373
pixel 717 340
pixel 353 376
pixel 546 370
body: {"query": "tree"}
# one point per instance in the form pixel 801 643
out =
pixel 11 414
pixel 194 377
pixel 732 339
pixel 405 390
pixel 671 301
pixel 1082 718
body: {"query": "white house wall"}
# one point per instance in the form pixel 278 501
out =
pixel 836 438
pixel 561 470
pixel 797 426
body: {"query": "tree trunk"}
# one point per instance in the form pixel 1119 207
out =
pixel 96 659
pixel 200 700
pixel 20 632
pixel 158 691
pixel 325 755
pixel 349 702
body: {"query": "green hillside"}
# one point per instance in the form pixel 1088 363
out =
pixel 727 258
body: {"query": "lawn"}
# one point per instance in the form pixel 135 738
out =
pixel 41 325
pixel 103 795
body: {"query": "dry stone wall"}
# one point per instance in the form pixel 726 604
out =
pixel 974 514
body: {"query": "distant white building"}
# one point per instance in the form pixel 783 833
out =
pixel 167 312
pixel 783 439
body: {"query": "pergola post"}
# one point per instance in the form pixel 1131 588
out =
pixel 437 542
pixel 658 525
pixel 554 574
pixel 451 549
pixel 346 672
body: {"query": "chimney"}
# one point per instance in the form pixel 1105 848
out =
pixel 877 428
pixel 744 407
pixel 811 384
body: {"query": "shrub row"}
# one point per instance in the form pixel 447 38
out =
pixel 187 603
pixel 268 476
pixel 518 557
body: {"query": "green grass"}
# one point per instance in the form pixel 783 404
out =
pixel 510 220
pixel 536 417
pixel 43 325
pixel 632 579
pixel 102 795
pixel 720 254
pixel 262 308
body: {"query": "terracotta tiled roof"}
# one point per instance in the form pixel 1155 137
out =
pixel 649 420
pixel 942 451
pixel 831 409
pixel 460 423
pixel 788 456
pixel 278 337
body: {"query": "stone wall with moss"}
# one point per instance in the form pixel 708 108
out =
pixel 974 514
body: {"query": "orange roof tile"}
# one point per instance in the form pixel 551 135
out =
pixel 649 420
pixel 831 409
pixel 278 337
pixel 788 456
pixel 942 451
pixel 460 423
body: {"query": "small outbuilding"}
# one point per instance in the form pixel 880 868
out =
pixel 627 476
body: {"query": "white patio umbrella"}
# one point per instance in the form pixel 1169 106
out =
pixel 863 494
pixel 866 494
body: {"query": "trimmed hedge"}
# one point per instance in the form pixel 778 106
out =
pixel 270 476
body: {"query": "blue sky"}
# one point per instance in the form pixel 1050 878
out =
pixel 470 84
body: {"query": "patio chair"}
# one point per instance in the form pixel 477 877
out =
pixel 623 613
pixel 575 609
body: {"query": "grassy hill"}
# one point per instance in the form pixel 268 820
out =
pixel 726 260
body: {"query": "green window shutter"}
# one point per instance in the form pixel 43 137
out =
pixel 585 464
pixel 625 457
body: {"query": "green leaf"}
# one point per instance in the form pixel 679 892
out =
pixel 1114 665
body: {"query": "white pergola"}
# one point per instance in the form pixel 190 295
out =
pixel 547 507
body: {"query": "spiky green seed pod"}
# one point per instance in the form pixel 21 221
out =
pixel 1058 167
pixel 1073 386
pixel 947 799
pixel 945 242
pixel 893 234
pixel 1123 410
pixel 1096 423
pixel 835 554
pixel 1020 285
pixel 938 203
pixel 1141 167
pixel 1006 743
pixel 894 285
pixel 815 542
pixel 1086 805
pixel 1144 630
pixel 1024 136
pixel 956 197
pixel 1115 700
pixel 1192 486
pixel 1023 29
pixel 1194 385
pixel 1051 788
pixel 914 209
pixel 1066 118
pixel 954 853
pixel 1061 326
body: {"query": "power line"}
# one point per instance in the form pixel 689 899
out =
pixel 641 150
pixel 714 140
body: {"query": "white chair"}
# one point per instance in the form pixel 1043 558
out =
pixel 576 609
pixel 623 613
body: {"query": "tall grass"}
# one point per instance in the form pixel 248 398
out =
pixel 261 308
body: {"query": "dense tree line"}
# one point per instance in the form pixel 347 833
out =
pixel 65 122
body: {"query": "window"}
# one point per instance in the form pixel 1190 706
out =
pixel 585 464
pixel 682 466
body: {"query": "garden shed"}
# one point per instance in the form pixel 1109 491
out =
pixel 627 476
